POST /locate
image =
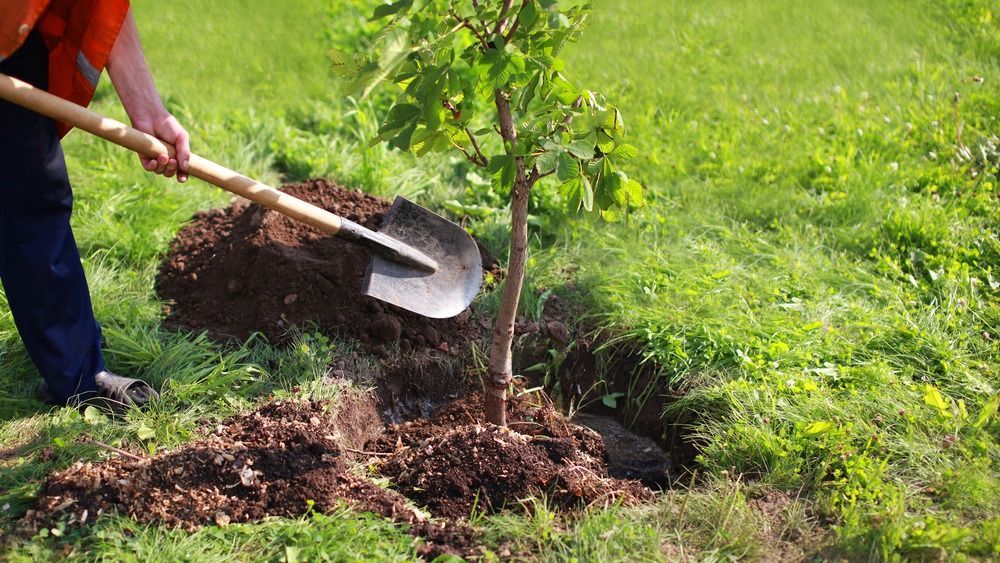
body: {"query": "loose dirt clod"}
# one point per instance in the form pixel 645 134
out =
pixel 244 269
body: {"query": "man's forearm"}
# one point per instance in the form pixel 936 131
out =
pixel 131 77
pixel 134 84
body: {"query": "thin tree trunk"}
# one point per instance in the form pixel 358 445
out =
pixel 500 365
pixel 500 368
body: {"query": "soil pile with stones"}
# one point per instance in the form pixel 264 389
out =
pixel 286 457
pixel 246 269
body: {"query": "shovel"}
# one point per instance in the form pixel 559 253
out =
pixel 436 272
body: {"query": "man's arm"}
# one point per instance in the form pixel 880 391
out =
pixel 132 80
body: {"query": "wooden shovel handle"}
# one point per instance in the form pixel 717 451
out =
pixel 27 96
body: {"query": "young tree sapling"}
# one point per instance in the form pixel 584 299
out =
pixel 485 78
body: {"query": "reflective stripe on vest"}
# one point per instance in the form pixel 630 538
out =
pixel 87 70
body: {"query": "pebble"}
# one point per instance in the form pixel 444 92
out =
pixel 257 219
pixel 431 336
pixel 557 332
pixel 386 328
pixel 291 298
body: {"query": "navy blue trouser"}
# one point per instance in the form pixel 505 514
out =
pixel 39 263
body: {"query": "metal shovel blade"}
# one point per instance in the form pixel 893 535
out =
pixel 441 294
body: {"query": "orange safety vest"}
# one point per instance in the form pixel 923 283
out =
pixel 78 33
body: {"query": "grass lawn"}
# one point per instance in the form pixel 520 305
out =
pixel 812 290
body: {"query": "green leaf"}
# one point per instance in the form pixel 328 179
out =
pixel 558 20
pixel 989 410
pixel 819 427
pixel 528 92
pixel 584 150
pixel 547 162
pixel 634 193
pixel 625 151
pixel 389 9
pixel 92 415
pixel 509 173
pixel 588 194
pixel 497 163
pixel 343 64
pixel 611 215
pixel 427 140
pixel 605 142
pixel 618 182
pixel 396 48
pixel 528 16
pixel 578 193
pixel 572 192
pixel 611 400
pixel 499 74
pixel 934 398
pixel 399 116
pixel 144 432
pixel 567 167
pixel 564 91
pixel 403 140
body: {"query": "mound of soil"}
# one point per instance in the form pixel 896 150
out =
pixel 453 467
pixel 289 457
pixel 276 461
pixel 246 269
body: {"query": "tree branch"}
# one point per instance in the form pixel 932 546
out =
pixel 535 175
pixel 470 157
pixel 118 451
pixel 475 145
pixel 516 24
pixel 504 115
pixel 468 25
pixel 503 18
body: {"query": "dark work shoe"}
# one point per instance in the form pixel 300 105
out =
pixel 115 394
pixel 124 391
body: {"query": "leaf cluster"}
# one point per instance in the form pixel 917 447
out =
pixel 485 78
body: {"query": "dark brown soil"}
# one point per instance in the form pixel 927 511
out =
pixel 277 461
pixel 246 269
pixel 454 466
pixel 289 457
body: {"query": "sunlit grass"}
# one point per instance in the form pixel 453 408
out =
pixel 818 253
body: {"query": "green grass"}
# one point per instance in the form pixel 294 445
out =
pixel 816 272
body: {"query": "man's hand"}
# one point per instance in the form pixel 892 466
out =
pixel 134 84
pixel 168 129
